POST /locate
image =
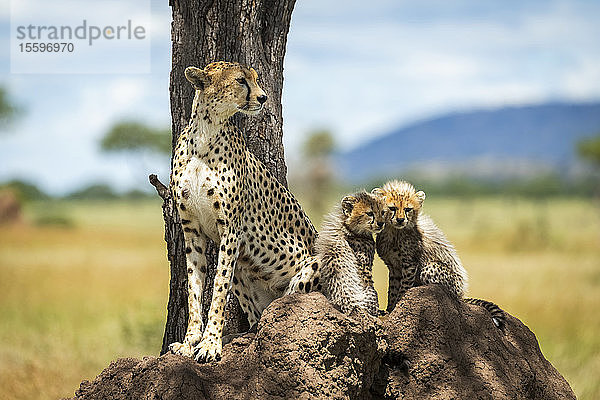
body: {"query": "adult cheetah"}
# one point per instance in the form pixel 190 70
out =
pixel 224 193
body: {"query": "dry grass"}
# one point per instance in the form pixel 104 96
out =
pixel 76 295
pixel 73 299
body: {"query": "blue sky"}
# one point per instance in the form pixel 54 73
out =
pixel 355 67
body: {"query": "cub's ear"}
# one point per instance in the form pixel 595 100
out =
pixel 378 192
pixel 197 77
pixel 348 205
pixel 421 196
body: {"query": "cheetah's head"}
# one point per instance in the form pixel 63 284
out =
pixel 364 213
pixel 402 201
pixel 224 88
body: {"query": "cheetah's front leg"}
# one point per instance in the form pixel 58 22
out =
pixel 395 280
pixel 345 289
pixel 400 281
pixel 195 249
pixel 210 347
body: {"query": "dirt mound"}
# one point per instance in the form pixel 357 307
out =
pixel 454 351
pixel 431 346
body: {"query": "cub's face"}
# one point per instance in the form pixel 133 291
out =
pixel 402 206
pixel 226 88
pixel 365 213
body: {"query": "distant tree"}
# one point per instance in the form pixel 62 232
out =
pixel 25 191
pixel 319 143
pixel 8 110
pixel 589 149
pixel 317 150
pixel 136 194
pixel 138 142
pixel 97 191
pixel 132 136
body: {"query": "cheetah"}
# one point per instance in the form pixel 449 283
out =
pixel 220 190
pixel 417 252
pixel 344 250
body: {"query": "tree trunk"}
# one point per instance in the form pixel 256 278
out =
pixel 251 32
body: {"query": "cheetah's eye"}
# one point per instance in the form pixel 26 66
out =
pixel 408 209
pixel 393 208
pixel 370 213
pixel 242 81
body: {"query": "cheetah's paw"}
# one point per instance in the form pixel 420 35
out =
pixel 208 350
pixel 182 349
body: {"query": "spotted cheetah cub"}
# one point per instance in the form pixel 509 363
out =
pixel 417 252
pixel 344 249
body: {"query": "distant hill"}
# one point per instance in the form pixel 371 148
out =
pixel 491 143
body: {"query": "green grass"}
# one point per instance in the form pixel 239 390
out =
pixel 84 283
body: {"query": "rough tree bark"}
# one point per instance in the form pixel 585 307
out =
pixel 252 32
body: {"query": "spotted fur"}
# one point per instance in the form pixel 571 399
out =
pixel 342 265
pixel 220 190
pixel 417 252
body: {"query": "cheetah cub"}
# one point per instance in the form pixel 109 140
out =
pixel 417 252
pixel 344 249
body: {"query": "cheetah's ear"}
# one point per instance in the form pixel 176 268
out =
pixel 197 77
pixel 421 196
pixel 348 205
pixel 378 192
pixel 253 72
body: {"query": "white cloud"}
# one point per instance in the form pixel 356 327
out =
pixel 584 80
pixel 126 92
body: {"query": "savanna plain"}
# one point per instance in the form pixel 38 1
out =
pixel 83 283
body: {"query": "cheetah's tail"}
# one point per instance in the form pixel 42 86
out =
pixel 498 316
